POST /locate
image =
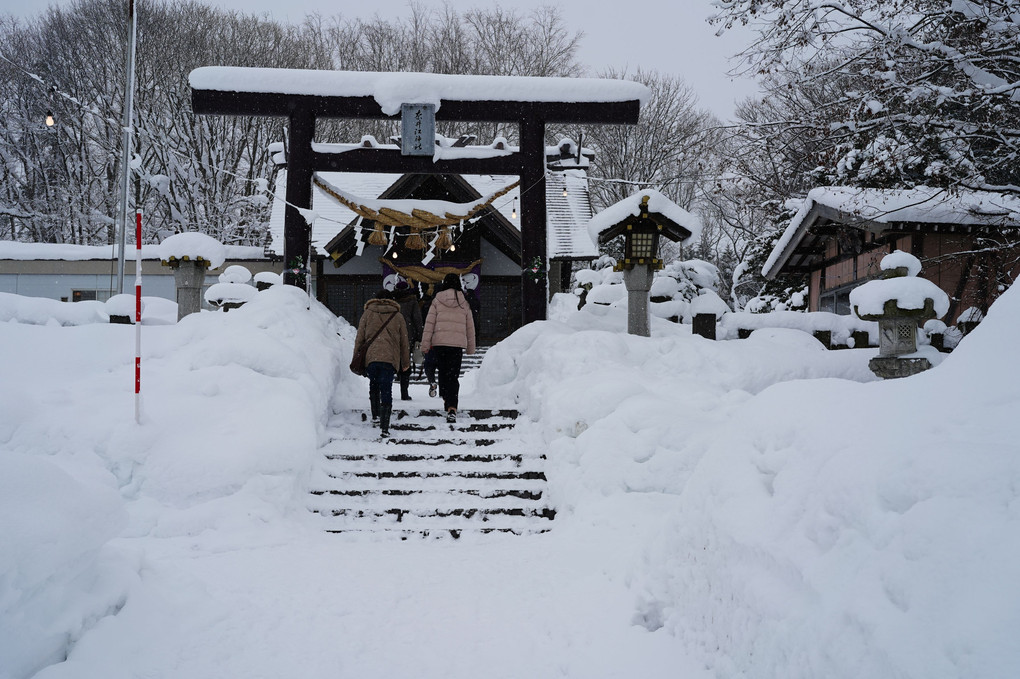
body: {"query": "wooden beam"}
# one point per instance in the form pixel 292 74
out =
pixel 390 161
pixel 216 102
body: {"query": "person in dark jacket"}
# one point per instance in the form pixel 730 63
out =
pixel 407 298
pixel 387 354
pixel 449 331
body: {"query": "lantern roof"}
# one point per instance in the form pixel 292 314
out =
pixel 649 209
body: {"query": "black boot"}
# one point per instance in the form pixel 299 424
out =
pixel 405 383
pixel 384 420
pixel 373 398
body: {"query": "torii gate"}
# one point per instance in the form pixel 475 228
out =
pixel 304 95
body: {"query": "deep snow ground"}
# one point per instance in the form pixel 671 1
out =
pixel 724 510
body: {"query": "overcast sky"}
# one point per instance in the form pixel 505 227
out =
pixel 670 36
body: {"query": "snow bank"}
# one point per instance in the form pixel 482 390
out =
pixel 41 311
pixel 54 522
pixel 817 527
pixel 846 530
pixel 234 408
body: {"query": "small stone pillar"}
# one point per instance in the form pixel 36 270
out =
pixel 638 281
pixel 189 275
pixel 189 255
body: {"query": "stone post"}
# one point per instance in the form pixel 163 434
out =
pixel 189 275
pixel 704 325
pixel 638 281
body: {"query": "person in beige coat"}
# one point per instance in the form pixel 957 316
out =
pixel 387 355
pixel 449 332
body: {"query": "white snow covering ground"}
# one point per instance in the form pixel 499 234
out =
pixel 752 508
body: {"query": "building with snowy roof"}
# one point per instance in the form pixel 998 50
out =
pixel 965 240
pixel 77 273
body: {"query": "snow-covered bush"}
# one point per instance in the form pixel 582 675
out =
pixel 673 288
pixel 788 300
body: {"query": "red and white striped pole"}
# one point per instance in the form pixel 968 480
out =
pixel 138 317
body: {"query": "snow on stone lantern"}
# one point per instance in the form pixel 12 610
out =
pixel 641 219
pixel 189 255
pixel 232 290
pixel 267 279
pixel 900 301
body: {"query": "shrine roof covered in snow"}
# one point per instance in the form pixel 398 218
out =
pixel 879 210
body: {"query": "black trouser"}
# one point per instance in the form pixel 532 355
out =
pixel 448 360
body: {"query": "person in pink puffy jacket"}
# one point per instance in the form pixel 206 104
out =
pixel 449 332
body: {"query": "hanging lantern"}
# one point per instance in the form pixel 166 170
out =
pixel 415 241
pixel 444 241
pixel 377 237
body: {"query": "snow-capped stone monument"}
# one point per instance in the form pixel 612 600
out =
pixel 189 255
pixel 900 301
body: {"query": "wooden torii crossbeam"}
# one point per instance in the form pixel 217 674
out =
pixel 304 96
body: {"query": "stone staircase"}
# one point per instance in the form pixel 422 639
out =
pixel 484 474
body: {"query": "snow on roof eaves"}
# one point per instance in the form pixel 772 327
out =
pixel 15 251
pixel 391 90
pixel 922 205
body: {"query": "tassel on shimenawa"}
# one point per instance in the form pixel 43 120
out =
pixel 444 241
pixel 415 241
pixel 377 237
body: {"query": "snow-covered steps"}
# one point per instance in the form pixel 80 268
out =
pixel 482 474
pixel 468 362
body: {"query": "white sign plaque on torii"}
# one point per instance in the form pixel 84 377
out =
pixel 417 129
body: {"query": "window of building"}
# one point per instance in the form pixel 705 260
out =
pixel 83 295
pixel 837 300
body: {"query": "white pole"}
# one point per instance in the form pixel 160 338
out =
pixel 129 94
pixel 138 317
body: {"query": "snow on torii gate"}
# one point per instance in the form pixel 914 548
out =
pixel 304 95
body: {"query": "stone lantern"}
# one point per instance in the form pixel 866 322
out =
pixel 900 301
pixel 190 255
pixel 641 219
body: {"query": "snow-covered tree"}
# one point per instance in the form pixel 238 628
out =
pixel 912 91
